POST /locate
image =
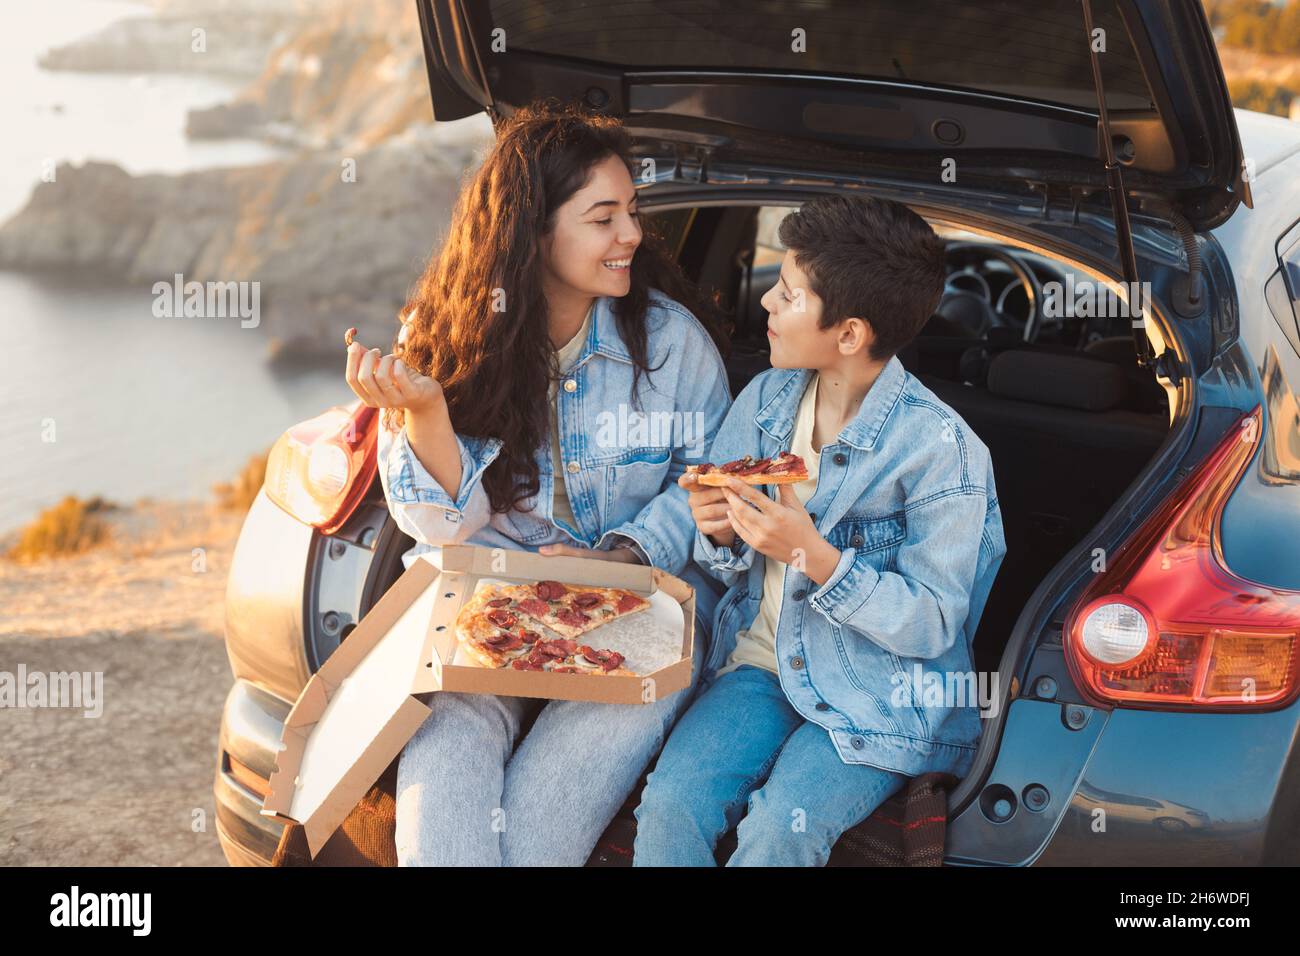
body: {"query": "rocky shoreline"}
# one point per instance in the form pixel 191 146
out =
pixel 333 240
pixel 333 235
pixel 232 44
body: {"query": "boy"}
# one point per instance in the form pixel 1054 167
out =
pixel 849 594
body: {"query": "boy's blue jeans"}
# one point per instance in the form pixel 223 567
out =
pixel 740 731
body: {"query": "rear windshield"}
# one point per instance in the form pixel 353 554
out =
pixel 1033 49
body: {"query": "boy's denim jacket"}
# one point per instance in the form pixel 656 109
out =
pixel 622 464
pixel 906 493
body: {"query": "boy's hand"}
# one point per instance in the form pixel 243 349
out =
pixel 709 510
pixel 781 529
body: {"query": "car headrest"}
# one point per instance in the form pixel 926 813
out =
pixel 1053 378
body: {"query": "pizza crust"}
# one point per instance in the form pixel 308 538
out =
pixel 716 479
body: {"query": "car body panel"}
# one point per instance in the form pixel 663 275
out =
pixel 1182 789
pixel 1262 519
pixel 252 723
pixel 265 595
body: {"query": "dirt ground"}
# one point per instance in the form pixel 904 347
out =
pixel 132 786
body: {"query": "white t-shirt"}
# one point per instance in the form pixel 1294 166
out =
pixel 568 354
pixel 757 645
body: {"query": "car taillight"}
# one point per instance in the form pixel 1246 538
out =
pixel 1167 624
pixel 320 469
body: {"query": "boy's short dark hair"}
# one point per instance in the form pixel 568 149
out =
pixel 871 258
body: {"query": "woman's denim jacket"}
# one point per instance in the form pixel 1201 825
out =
pixel 622 462
pixel 879 655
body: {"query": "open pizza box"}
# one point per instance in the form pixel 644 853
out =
pixel 368 699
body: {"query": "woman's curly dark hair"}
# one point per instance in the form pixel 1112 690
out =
pixel 495 366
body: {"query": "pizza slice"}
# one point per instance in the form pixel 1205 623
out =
pixel 572 610
pixel 564 656
pixel 492 633
pixel 498 627
pixel 784 468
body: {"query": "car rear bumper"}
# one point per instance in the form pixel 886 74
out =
pixel 251 725
pixel 1076 786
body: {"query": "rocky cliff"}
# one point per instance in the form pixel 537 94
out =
pixel 333 239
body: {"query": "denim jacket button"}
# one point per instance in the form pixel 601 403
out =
pixel 840 458
pixel 858 743
pixel 856 541
pixel 796 663
pixel 822 705
pixel 570 385
pixel 799 595
pixel 574 467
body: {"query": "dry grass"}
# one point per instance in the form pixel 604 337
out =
pixel 238 495
pixel 71 526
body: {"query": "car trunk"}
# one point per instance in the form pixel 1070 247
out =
pixel 767 126
pixel 1076 108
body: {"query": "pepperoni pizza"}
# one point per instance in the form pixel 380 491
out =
pixel 785 468
pixel 504 626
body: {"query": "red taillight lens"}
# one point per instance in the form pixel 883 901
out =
pixel 320 469
pixel 1168 625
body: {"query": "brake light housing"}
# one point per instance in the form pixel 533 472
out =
pixel 320 469
pixel 1168 625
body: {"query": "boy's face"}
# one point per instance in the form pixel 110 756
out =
pixel 794 312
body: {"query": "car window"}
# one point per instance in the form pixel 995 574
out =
pixel 768 249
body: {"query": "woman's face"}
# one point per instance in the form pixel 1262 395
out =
pixel 594 235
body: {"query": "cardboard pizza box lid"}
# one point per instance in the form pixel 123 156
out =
pixel 357 712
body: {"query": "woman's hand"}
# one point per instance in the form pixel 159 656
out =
pixel 386 381
pixel 709 510
pixel 625 555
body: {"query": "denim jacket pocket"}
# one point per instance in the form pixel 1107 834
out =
pixel 869 683
pixel 633 480
pixel 870 534
pixel 527 523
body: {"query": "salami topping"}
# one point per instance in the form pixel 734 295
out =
pixel 534 607
pixel 705 468
pixel 607 659
pixel 785 463
pixel 504 641
pixel 499 602
pixel 573 618
pixel 736 467
pixel 529 637
pixel 627 603
pixel 587 599
pixel 550 590
pixel 553 649
pixel 525 664
pixel 502 618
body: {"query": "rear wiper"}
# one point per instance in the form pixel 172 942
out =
pixel 1118 203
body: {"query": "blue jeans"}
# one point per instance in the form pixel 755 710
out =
pixel 467 796
pixel 741 731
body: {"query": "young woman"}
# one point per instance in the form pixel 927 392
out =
pixel 537 337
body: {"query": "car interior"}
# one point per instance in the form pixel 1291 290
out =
pixel 1068 415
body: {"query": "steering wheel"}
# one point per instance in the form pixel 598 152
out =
pixel 966 300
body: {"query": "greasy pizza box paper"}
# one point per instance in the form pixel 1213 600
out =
pixel 357 712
